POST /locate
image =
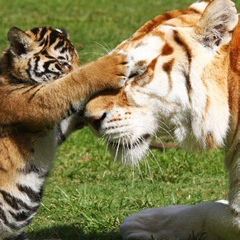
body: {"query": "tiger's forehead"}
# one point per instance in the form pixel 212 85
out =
pixel 177 18
pixel 154 43
pixel 39 33
pixel 159 42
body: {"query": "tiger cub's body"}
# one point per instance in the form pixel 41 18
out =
pixel 192 86
pixel 37 93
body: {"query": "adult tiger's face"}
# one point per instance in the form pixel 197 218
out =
pixel 40 54
pixel 184 87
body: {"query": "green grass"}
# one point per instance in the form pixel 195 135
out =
pixel 89 195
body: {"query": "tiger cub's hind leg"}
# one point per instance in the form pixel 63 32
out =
pixel 21 236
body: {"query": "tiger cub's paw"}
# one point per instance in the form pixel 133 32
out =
pixel 121 68
pixel 113 69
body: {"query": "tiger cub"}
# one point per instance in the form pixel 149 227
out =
pixel 50 66
pixel 32 103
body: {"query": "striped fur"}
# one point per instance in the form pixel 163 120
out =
pixel 41 84
pixel 53 57
pixel 50 55
pixel 191 88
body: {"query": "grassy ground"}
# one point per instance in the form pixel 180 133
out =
pixel 89 195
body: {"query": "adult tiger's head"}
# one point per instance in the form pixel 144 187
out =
pixel 185 87
pixel 38 55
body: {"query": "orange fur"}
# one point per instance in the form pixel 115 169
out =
pixel 30 111
pixel 192 87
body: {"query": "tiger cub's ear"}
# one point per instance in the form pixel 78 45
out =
pixel 217 23
pixel 65 33
pixel 19 41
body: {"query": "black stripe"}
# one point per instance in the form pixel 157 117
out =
pixel 33 195
pixel 16 203
pixel 188 83
pixel 47 55
pixel 184 45
pixel 10 200
pixel 186 48
pixel 13 226
pixel 6 222
pixel 60 44
pixel 63 50
pixel 37 60
pixel 71 110
pixel 14 80
pixel 3 215
pixel 20 216
pixel 47 64
pixel 29 68
pixel 30 168
pixel 60 136
pixel 28 89
pixel 17 88
pixel 61 58
pixel 35 31
pixel 42 43
pixel 34 94
pixel 58 67
pixel 54 35
pixel 42 33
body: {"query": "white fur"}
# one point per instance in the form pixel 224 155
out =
pixel 45 149
pixel 147 51
pixel 120 132
pixel 199 6
pixel 156 105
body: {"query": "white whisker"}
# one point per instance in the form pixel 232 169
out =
pixel 104 46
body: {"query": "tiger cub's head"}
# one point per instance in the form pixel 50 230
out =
pixel 184 88
pixel 38 55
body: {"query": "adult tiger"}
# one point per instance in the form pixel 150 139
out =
pixel 32 105
pixel 192 84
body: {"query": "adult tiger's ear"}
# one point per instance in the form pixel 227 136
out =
pixel 217 23
pixel 19 41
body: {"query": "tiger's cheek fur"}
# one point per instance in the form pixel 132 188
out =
pixel 118 118
pixel 182 87
pixel 207 93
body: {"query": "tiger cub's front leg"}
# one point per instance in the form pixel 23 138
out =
pixel 44 105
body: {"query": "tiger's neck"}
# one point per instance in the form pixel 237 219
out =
pixel 209 109
pixel 221 126
pixel 234 87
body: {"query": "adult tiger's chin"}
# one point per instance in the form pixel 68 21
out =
pixel 129 151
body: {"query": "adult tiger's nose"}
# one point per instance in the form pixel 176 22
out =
pixel 95 120
pixel 98 109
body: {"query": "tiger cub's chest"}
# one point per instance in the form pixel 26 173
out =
pixel 45 149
